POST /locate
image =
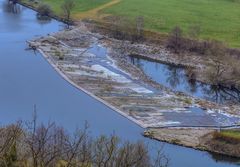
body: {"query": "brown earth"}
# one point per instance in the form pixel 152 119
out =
pixel 197 138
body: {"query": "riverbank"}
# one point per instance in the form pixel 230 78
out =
pixel 163 22
pixel 210 62
pixel 32 6
pixel 202 67
pixel 196 138
pixel 92 63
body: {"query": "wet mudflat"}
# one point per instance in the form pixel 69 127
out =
pixel 27 79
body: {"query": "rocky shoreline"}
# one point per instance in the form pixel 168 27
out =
pixel 97 65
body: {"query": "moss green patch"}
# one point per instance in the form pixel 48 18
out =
pixel 231 133
pixel 228 136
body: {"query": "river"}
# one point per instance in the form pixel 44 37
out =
pixel 26 79
pixel 175 78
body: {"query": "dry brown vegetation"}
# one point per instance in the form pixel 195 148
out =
pixel 231 139
pixel 39 145
pixel 224 142
pixel 223 68
pixel 123 28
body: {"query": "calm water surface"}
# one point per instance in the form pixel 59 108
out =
pixel 27 79
pixel 176 79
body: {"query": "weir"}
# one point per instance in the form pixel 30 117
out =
pixel 27 79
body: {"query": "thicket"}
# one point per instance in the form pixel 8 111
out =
pixel 223 68
pixel 39 145
pixel 123 28
pixel 44 10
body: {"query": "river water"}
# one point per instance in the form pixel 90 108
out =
pixel 176 79
pixel 26 79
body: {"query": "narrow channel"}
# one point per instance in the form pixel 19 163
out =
pixel 175 78
pixel 27 79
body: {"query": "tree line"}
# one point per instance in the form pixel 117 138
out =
pixel 39 145
pixel 224 69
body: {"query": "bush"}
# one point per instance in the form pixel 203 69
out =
pixel 123 28
pixel 175 40
pixel 44 10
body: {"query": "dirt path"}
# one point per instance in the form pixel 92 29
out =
pixel 94 13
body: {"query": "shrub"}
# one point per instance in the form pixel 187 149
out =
pixel 123 28
pixel 175 40
pixel 59 55
pixel 44 10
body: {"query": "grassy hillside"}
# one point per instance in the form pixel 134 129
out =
pixel 217 19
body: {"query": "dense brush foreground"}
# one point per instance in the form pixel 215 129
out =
pixel 50 145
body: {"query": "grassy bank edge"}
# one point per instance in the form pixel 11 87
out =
pixel 208 140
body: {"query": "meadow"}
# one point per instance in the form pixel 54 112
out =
pixel 81 6
pixel 216 19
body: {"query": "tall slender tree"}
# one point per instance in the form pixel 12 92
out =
pixel 67 7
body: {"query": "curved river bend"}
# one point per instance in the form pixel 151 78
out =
pixel 27 79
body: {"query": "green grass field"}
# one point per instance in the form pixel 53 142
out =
pixel 81 5
pixel 217 19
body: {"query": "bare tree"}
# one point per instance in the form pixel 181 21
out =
pixel 50 145
pixel 46 145
pixel 175 40
pixel 9 137
pixel 217 52
pixel 160 160
pixel 76 148
pixel 104 151
pixel 140 27
pixel 133 155
pixel 125 29
pixel 121 28
pixel 67 7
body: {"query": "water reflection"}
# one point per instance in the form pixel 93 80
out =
pixel 192 86
pixel 43 19
pixel 11 7
pixel 221 158
pixel 177 79
pixel 173 76
pixel 221 94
